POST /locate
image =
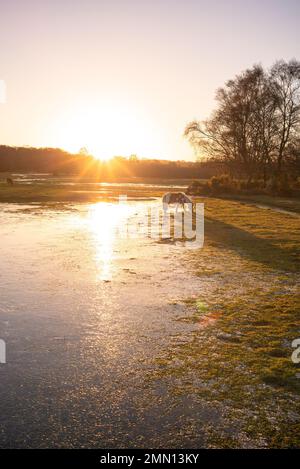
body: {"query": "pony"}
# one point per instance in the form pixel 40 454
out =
pixel 178 199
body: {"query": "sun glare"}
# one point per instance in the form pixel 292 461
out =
pixel 105 131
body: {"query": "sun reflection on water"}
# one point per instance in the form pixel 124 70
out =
pixel 105 220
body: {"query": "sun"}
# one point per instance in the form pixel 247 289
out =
pixel 104 130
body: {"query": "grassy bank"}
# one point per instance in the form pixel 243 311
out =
pixel 238 361
pixel 284 203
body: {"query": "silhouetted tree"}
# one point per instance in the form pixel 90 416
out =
pixel 255 123
pixel 285 85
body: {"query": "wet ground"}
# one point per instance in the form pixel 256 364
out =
pixel 83 313
pixel 116 341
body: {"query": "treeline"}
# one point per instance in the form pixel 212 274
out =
pixel 60 163
pixel 255 129
pixel 41 160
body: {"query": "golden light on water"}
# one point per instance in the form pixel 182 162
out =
pixel 105 220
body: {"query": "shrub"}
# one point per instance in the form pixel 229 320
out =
pixel 198 188
pixel 279 185
pixel 224 184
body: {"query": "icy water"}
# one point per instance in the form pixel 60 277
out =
pixel 84 313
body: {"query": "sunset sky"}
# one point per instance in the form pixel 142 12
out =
pixel 125 76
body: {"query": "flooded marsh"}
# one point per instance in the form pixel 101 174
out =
pixel 115 342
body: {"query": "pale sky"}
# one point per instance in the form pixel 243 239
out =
pixel 125 76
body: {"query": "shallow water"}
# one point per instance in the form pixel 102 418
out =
pixel 133 183
pixel 84 312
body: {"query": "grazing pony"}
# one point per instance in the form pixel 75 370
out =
pixel 9 182
pixel 176 198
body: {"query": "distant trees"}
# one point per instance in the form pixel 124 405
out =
pixel 255 129
pixel 58 162
pixel 41 160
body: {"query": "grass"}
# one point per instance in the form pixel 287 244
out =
pixel 246 317
pixel 284 203
pixel 50 192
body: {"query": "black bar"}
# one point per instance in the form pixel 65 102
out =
pixel 144 457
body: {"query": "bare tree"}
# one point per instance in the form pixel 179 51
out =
pixel 256 121
pixel 233 134
pixel 285 86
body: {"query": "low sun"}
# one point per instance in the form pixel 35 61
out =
pixel 105 131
